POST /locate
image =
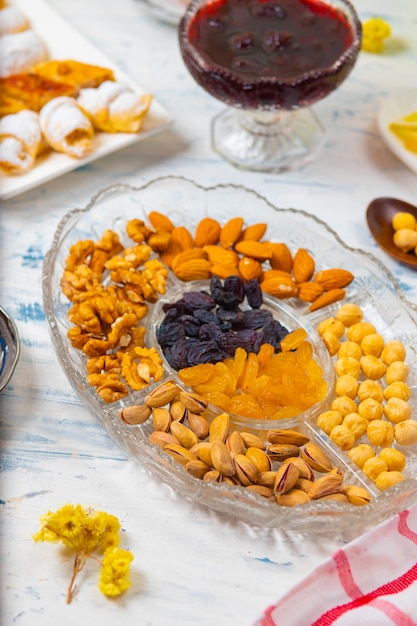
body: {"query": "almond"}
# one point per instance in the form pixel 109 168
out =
pixel 254 232
pixel 282 287
pixel 231 232
pixel 187 255
pixel 160 221
pixel 270 274
pixel 328 297
pixel 207 232
pixel 334 278
pixel 221 256
pixel 281 258
pixel 196 269
pixel 309 291
pixel 224 271
pixel 182 237
pixel 303 266
pixel 250 268
pixel 261 251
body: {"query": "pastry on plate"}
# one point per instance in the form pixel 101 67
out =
pixel 66 128
pixel 20 51
pixel 20 142
pixel 29 91
pixel 114 107
pixel 74 73
pixel 12 20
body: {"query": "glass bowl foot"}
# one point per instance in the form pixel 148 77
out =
pixel 267 141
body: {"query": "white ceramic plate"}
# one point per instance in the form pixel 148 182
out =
pixel 64 42
pixel 392 109
pixel 187 202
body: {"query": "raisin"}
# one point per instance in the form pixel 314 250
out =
pixel 191 325
pixel 206 317
pixel 209 332
pixel 198 300
pixel 235 284
pixel 254 295
pixel 253 319
pixel 204 352
pixel 168 334
pixel 245 339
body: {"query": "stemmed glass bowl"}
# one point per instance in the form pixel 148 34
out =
pixel 269 61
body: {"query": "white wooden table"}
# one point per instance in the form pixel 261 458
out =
pixel 191 566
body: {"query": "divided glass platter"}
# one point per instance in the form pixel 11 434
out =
pixel 186 202
pixel 64 42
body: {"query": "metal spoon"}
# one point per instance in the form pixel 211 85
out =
pixel 379 216
pixel 9 348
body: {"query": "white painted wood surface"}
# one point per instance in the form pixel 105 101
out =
pixel 191 566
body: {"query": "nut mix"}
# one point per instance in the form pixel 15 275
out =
pixel 287 467
pixel 110 287
pixel 371 412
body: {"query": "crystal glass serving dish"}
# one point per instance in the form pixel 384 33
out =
pixel 186 202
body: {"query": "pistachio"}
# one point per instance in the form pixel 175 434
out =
pixel 338 497
pixel 185 435
pixel 252 441
pixel 231 480
pixel 161 419
pixel 323 486
pixel 219 427
pixel 137 414
pixel 357 495
pixel 202 451
pixel 212 476
pixel 265 492
pixel 266 479
pixel 286 478
pixel 282 451
pixel 222 459
pixel 179 453
pixel 198 424
pixel 163 394
pixel 259 458
pixel 178 411
pixel 246 470
pixel 193 402
pixel 287 436
pixel 314 456
pixel 197 468
pixel 235 443
pixel 305 470
pixel 292 498
pixel 304 484
pixel 159 438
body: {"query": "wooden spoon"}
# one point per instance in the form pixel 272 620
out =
pixel 379 216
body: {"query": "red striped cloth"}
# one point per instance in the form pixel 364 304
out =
pixel 372 581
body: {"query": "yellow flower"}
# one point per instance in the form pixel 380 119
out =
pixel 87 531
pixel 114 575
pixel 374 31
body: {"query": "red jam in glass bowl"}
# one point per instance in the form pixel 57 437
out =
pixel 270 54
